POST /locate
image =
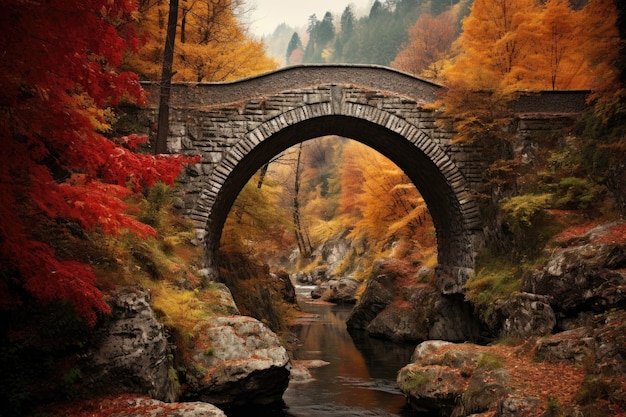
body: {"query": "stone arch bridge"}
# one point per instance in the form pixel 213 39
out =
pixel 239 126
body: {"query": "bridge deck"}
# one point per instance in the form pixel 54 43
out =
pixel 290 78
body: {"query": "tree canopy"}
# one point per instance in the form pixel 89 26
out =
pixel 212 44
pixel 58 79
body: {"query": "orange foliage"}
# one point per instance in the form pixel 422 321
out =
pixel 211 43
pixel 381 197
pixel 518 45
pixel 430 41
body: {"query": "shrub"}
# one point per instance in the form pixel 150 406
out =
pixel 522 212
pixel 152 207
pixel 577 193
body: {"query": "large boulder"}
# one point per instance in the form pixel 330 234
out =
pixel 132 353
pixel 601 345
pixel 391 309
pixel 586 275
pixel 343 291
pixel 379 293
pixel 452 379
pixel 409 320
pixel 236 361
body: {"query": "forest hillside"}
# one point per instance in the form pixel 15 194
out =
pixel 88 208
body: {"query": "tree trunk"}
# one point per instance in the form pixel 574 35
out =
pixel 262 175
pixel 166 81
pixel 304 244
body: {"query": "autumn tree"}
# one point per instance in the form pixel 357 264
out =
pixel 556 45
pixel 212 44
pixel 512 46
pixel 256 224
pixel 508 46
pixel 380 205
pixel 602 46
pixel 490 50
pixel 58 78
pixel 430 42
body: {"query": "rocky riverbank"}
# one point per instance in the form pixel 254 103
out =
pixel 134 367
pixel 562 348
pixel 566 330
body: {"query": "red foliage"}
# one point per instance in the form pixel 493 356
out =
pixel 615 234
pixel 117 405
pixel 57 73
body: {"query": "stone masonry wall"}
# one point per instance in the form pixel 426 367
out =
pixel 239 126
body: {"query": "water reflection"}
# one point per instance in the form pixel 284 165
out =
pixel 359 380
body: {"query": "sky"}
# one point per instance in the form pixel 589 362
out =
pixel 267 14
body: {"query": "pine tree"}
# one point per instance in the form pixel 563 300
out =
pixel 294 44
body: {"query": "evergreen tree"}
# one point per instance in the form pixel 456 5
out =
pixel 376 10
pixel 348 24
pixel 326 30
pixel 321 34
pixel 310 50
pixel 294 44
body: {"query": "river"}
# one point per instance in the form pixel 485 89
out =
pixel 360 379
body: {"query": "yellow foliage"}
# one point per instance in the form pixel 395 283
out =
pixel 211 44
pixel 179 308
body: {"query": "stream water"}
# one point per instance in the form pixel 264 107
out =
pixel 360 377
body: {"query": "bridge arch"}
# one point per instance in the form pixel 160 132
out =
pixel 413 149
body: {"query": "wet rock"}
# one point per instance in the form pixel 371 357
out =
pixel 300 370
pixel 409 319
pixel 379 293
pixel 236 361
pixel 299 374
pixel 453 319
pixel 319 291
pixel 132 355
pixel 414 313
pixel 343 291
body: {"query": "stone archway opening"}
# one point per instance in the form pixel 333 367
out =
pixel 333 204
pixel 411 150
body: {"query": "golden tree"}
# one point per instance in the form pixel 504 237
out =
pixel 491 49
pixel 211 44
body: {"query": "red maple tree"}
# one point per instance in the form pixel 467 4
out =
pixel 57 78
